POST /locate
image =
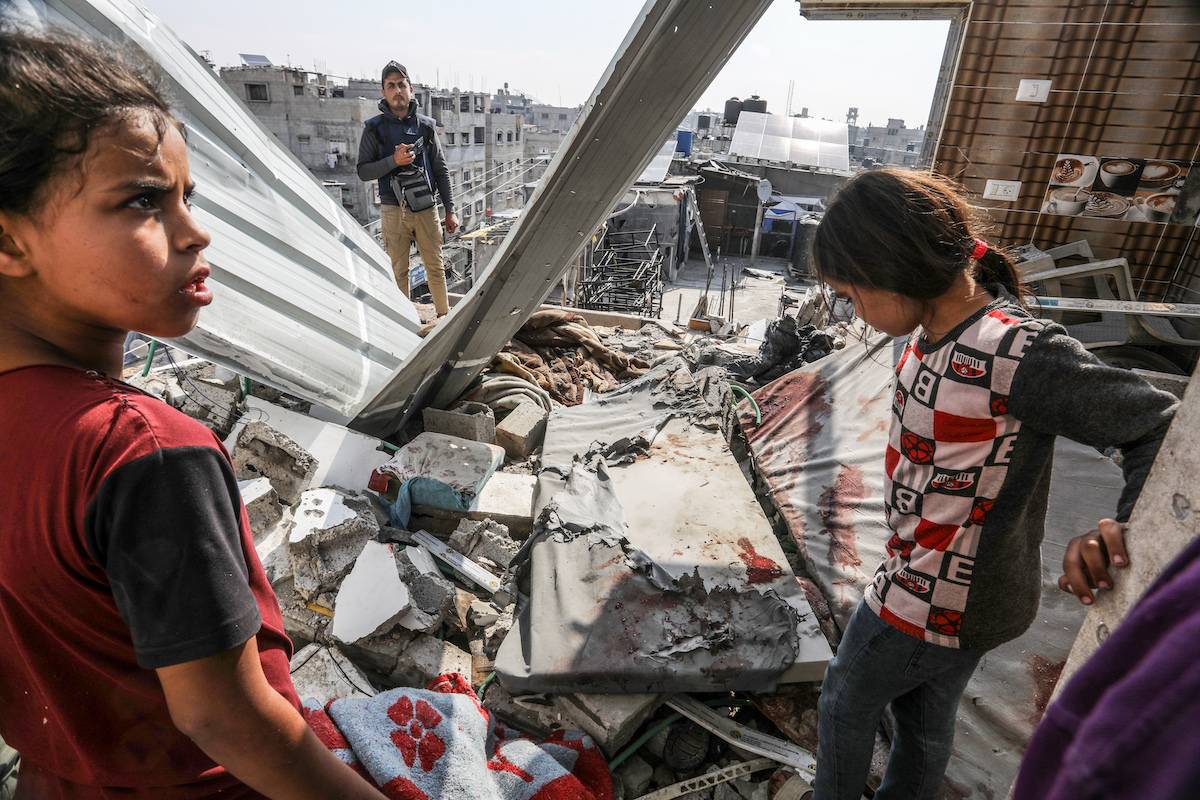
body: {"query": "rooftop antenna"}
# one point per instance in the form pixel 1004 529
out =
pixel 791 87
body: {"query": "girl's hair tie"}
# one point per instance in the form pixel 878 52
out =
pixel 980 250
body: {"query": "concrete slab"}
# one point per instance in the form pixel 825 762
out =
pixel 345 458
pixel 262 504
pixel 372 598
pixel 610 719
pixel 689 508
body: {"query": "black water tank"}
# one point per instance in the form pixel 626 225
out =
pixel 733 109
pixel 755 103
pixel 703 122
pixel 806 229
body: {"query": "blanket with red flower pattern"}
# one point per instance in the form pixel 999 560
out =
pixel 441 742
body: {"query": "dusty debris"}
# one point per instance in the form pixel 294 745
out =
pixel 532 713
pixel 328 532
pixel 485 540
pixel 482 613
pixel 494 634
pixel 263 451
pixel 635 775
pixel 440 471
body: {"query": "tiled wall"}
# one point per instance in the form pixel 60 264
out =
pixel 1126 84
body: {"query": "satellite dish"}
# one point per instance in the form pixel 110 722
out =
pixel 764 190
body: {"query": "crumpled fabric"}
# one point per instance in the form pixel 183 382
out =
pixel 440 742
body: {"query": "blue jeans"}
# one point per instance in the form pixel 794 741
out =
pixel 877 664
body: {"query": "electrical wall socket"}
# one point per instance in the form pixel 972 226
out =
pixel 1031 91
pixel 1002 190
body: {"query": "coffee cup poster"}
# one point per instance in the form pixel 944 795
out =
pixel 1131 189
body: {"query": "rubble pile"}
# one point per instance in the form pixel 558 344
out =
pixel 417 564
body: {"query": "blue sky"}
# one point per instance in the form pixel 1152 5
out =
pixel 557 50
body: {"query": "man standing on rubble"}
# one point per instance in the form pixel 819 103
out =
pixel 400 149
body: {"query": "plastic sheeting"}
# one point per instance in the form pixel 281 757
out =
pixel 820 450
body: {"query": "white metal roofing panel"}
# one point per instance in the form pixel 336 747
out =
pixel 801 141
pixel 657 170
pixel 305 299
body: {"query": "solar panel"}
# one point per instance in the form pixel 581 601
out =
pixel 805 142
pixel 656 171
pixel 253 60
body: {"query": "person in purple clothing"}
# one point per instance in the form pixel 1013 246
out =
pixel 1127 725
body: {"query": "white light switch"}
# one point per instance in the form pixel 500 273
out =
pixel 1001 190
pixel 1029 91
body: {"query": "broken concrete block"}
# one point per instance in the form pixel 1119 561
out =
pixel 474 421
pixel 493 635
pixel 424 658
pixel 328 532
pixel 635 776
pixel 262 504
pixel 378 655
pixel 262 450
pixel 324 673
pixel 372 598
pixel 161 385
pixel 610 719
pixel 433 597
pixel 485 540
pixel 483 614
pixel 521 432
pixel 507 498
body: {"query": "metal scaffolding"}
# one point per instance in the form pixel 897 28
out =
pixel 626 274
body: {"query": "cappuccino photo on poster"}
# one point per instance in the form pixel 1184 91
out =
pixel 1114 187
pixel 1074 170
pixel 1070 184
pixel 1158 195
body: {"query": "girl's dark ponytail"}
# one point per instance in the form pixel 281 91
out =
pixel 996 266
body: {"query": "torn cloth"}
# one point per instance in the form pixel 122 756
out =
pixel 557 351
pixel 440 742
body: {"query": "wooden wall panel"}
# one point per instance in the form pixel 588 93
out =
pixel 1126 84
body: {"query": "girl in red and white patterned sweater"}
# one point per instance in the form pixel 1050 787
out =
pixel 982 389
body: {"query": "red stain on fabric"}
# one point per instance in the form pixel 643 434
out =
pixel 797 403
pixel 836 507
pixel 1044 673
pixel 759 569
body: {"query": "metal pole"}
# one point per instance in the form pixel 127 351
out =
pixel 757 233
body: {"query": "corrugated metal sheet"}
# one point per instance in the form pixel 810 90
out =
pixel 673 51
pixel 305 300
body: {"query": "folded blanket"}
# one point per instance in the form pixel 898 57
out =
pixel 441 742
